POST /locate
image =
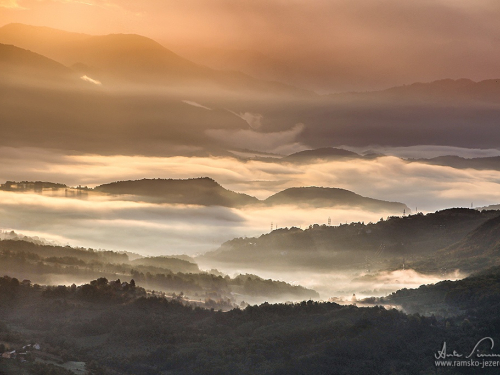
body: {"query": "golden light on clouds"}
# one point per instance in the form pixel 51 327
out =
pixel 388 178
pixel 326 45
pixel 11 4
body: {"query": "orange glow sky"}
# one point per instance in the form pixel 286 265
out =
pixel 325 45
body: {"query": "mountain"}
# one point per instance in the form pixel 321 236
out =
pixel 325 153
pixel 449 298
pixel 207 192
pixel 448 89
pixel 492 163
pixel 330 197
pixel 167 262
pixel 484 240
pixel 479 249
pixel 438 92
pixel 203 191
pixel 131 58
pixel 411 240
pixel 447 112
pixel 20 65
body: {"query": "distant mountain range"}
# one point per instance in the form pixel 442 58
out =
pixel 325 153
pixel 492 163
pixel 120 58
pixel 332 154
pixel 128 94
pixel 207 192
pixel 439 92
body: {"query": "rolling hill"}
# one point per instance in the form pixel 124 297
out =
pixel 479 249
pixel 415 240
pixel 207 192
pixel 202 191
pixel 332 197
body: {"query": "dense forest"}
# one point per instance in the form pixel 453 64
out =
pixel 117 328
pixel 448 298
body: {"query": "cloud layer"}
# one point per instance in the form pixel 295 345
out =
pixel 428 187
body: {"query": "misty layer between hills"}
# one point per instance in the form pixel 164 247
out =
pixel 451 239
pixel 207 192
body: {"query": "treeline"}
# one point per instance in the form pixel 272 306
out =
pixel 153 335
pixel 449 298
pixel 378 245
pixel 47 264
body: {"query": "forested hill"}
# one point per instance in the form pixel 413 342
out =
pixel 205 191
pixel 202 191
pixel 50 264
pixel 331 197
pixel 388 243
pixel 118 329
pixel 448 298
pixel 480 248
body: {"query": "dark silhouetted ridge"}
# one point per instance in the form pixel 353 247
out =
pixel 202 191
pixel 329 197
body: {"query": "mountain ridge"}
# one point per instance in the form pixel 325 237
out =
pixel 420 239
pixel 132 58
pixel 206 191
pixel 21 64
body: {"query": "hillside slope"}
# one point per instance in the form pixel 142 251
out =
pixel 411 240
pixel 202 191
pixel 331 197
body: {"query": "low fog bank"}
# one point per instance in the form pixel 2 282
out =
pixel 340 285
pixel 154 229
pixel 388 178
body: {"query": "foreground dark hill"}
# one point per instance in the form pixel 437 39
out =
pixel 393 243
pixel 118 329
pixel 202 191
pixel 331 197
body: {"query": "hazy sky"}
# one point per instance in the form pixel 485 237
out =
pixel 327 45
